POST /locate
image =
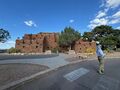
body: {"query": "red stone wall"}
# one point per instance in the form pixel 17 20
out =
pixel 50 41
pixel 37 43
pixel 85 47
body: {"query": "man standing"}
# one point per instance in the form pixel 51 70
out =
pixel 100 56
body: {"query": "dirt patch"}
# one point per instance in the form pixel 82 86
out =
pixel 113 54
pixel 13 72
pixel 73 59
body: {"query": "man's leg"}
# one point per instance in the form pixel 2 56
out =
pixel 101 65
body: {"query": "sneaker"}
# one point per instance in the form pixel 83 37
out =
pixel 100 72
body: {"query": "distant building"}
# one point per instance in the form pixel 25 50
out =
pixel 37 43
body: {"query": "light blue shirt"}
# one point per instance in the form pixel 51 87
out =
pixel 99 51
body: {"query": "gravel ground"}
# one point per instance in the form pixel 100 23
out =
pixel 13 72
pixel 114 54
pixel 71 58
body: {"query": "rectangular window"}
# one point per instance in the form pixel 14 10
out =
pixel 41 44
pixel 90 44
pixel 37 42
pixel 23 42
pixel 36 46
pixel 34 38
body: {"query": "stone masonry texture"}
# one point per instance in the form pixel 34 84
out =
pixel 39 43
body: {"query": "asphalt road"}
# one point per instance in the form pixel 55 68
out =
pixel 80 76
pixel 11 57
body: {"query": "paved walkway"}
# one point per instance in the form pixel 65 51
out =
pixel 52 63
pixel 80 76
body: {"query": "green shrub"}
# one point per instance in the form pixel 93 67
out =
pixel 107 50
pixel 13 50
pixel 55 50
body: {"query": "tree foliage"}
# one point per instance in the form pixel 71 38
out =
pixel 88 36
pixel 107 36
pixel 13 50
pixel 4 35
pixel 68 36
pixel 102 30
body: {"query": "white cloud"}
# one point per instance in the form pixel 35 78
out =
pixel 112 3
pixel 30 23
pixel 71 21
pixel 115 18
pixel 114 21
pixel 92 26
pixel 101 21
pixel 98 22
pixel 106 10
pixel 103 3
pixel 116 15
pixel 118 27
pixel 7 45
pixel 101 14
pixel 102 17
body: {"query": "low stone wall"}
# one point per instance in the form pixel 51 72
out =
pixel 27 56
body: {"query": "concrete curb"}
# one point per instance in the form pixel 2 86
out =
pixel 15 83
pixel 12 57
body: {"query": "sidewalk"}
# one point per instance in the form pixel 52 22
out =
pixel 58 61
pixel 52 63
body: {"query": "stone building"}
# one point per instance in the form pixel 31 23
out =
pixel 37 43
pixel 84 46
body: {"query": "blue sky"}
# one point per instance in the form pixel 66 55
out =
pixel 34 16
